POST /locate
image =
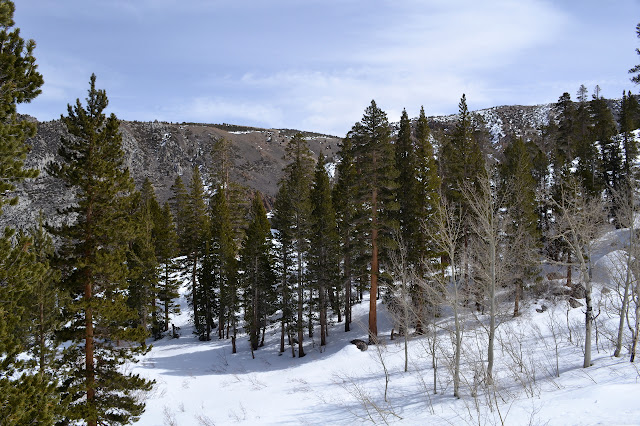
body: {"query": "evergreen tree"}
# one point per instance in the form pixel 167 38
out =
pixel 180 207
pixel 47 300
pixel 295 186
pixel 258 275
pixel 95 268
pixel 219 272
pixel 166 246
pixel 196 229
pixel 628 121
pixel 24 398
pixel 20 83
pixel 408 199
pixel 604 133
pixel 282 222
pixel 428 181
pixel 45 320
pixel 237 195
pixel 142 261
pixel 324 252
pixel 461 159
pixel 584 150
pixel 344 200
pixel 636 69
pixel 564 144
pixel 376 192
pixel 518 190
pixel 427 196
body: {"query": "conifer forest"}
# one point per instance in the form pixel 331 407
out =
pixel 434 232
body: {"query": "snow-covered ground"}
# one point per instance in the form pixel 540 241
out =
pixel 203 383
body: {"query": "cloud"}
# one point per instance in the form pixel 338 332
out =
pixel 218 110
pixel 316 65
pixel 418 56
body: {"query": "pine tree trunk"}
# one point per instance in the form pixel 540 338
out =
pixel 255 329
pixel 89 352
pixel 221 316
pixel 194 293
pixel 166 297
pixel 323 317
pixel 264 331
pixel 300 308
pixel 373 318
pixel 207 320
pixel 285 301
pixel 282 331
pixel 233 323
pixel 154 316
pixel 310 316
pixel 347 293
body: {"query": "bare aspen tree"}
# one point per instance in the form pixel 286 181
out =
pixel 446 233
pixel 636 329
pixel 582 221
pixel 487 225
pixel 625 280
pixel 403 276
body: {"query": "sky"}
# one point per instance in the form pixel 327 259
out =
pixel 316 65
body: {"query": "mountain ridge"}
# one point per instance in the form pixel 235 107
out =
pixel 161 151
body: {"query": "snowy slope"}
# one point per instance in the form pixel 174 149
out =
pixel 202 383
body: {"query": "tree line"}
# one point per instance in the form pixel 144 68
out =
pixel 434 223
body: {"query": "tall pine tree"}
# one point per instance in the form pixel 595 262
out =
pixel 346 208
pixel 258 275
pixel 293 219
pixel 324 254
pixel 23 397
pixel 95 271
pixel 518 192
pixel 142 261
pixel 194 237
pixel 166 240
pixel 376 192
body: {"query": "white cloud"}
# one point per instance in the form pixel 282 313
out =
pixel 418 56
pixel 316 65
pixel 210 110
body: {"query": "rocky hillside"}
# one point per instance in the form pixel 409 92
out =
pixel 161 151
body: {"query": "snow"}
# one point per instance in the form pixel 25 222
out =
pixel 203 383
pixel 330 167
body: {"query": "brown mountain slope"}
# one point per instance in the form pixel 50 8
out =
pixel 161 151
